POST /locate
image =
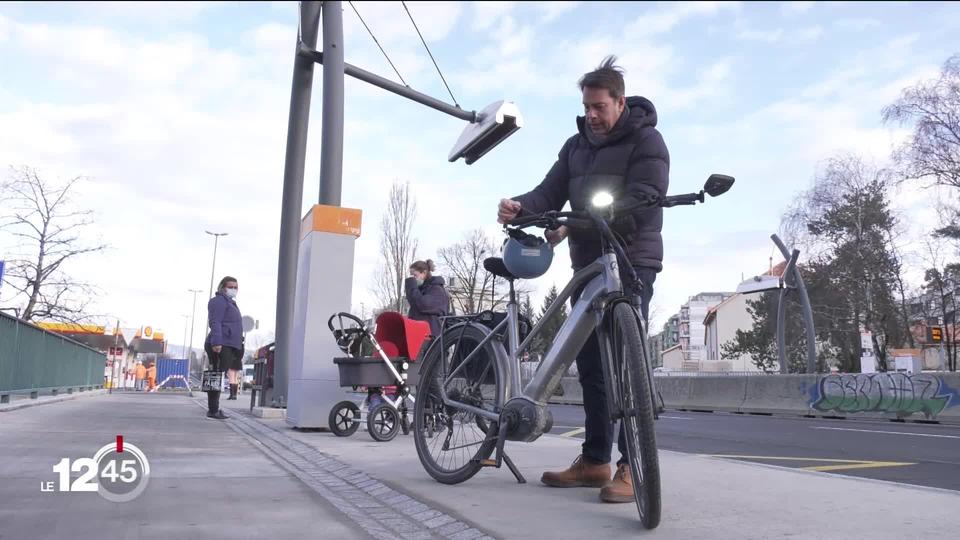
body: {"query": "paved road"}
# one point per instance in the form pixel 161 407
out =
pixel 920 454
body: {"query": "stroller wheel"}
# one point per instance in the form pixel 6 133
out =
pixel 383 423
pixel 344 419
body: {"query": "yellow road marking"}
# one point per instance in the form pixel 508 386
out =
pixel 573 432
pixel 864 465
pixel 847 463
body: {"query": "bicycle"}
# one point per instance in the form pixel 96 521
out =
pixel 471 399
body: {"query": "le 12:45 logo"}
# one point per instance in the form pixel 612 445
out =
pixel 118 472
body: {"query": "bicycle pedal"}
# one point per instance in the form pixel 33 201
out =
pixel 488 462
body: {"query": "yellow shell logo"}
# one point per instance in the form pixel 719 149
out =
pixel 147 331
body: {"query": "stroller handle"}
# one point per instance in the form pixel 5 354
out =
pixel 343 314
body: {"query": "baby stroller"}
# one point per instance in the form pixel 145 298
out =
pixel 384 365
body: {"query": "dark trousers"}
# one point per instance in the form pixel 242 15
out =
pixel 218 361
pixel 598 436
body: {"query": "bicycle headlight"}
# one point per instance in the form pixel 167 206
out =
pixel 602 199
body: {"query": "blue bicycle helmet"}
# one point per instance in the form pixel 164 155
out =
pixel 527 256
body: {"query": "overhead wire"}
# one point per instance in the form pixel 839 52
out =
pixel 395 70
pixel 425 46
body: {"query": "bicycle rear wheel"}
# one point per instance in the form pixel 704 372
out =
pixel 629 363
pixel 451 442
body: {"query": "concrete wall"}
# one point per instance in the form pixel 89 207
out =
pixel 905 396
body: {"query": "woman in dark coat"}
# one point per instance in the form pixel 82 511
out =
pixel 427 296
pixel 224 343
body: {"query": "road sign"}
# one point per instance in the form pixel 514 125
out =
pixel 935 334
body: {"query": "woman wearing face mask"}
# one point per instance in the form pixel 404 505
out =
pixel 427 296
pixel 224 343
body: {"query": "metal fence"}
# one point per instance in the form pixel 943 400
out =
pixel 34 361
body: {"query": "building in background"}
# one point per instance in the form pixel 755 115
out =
pixel 668 337
pixel 720 326
pixel 692 332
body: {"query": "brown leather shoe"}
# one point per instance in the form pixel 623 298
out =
pixel 579 474
pixel 620 489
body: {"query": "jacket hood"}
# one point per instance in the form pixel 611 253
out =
pixel 638 112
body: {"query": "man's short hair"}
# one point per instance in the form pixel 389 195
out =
pixel 607 75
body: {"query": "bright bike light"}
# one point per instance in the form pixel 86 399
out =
pixel 602 200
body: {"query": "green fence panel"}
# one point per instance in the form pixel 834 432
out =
pixel 33 359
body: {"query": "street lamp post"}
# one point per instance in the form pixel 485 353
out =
pixel 192 324
pixel 216 239
pixel 186 321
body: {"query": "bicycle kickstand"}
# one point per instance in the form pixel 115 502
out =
pixel 501 455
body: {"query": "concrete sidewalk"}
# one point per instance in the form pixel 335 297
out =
pixel 207 481
pixel 703 497
pixel 214 479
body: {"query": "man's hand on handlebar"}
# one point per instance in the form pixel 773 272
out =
pixel 507 210
pixel 556 236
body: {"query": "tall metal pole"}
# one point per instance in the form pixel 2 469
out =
pixel 296 153
pixel 805 306
pixel 192 325
pixel 213 267
pixel 186 321
pixel 331 151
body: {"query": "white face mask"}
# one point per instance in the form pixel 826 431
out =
pixel 231 293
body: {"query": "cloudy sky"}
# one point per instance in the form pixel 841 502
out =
pixel 177 113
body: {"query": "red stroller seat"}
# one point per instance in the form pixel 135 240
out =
pixel 400 337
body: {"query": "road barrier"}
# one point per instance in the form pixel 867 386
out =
pixel 928 396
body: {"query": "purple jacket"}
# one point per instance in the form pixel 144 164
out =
pixel 428 302
pixel 225 324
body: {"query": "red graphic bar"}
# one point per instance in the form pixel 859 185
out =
pixel 119 444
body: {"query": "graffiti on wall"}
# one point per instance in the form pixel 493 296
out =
pixel 901 393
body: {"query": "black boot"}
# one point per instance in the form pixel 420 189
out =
pixel 233 392
pixel 213 406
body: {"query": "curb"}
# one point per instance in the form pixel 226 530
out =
pixel 58 399
pixel 380 509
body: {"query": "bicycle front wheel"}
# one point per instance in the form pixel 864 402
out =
pixel 636 406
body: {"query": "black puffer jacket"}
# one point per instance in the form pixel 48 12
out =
pixel 632 158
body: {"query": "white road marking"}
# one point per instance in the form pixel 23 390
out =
pixel 889 432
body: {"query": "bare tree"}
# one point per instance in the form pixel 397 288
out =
pixel 398 247
pixel 40 216
pixel 472 289
pixel 933 151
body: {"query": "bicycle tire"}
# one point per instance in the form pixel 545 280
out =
pixel 428 409
pixel 632 376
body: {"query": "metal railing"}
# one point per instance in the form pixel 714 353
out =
pixel 34 361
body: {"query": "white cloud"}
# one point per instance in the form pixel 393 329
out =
pixel 5 25
pixel 768 36
pixel 794 8
pixel 777 35
pixel 670 14
pixel 553 10
pixel 857 24
pixel 711 82
pixel 487 14
pixel 390 23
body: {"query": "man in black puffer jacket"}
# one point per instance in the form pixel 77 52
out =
pixel 618 150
